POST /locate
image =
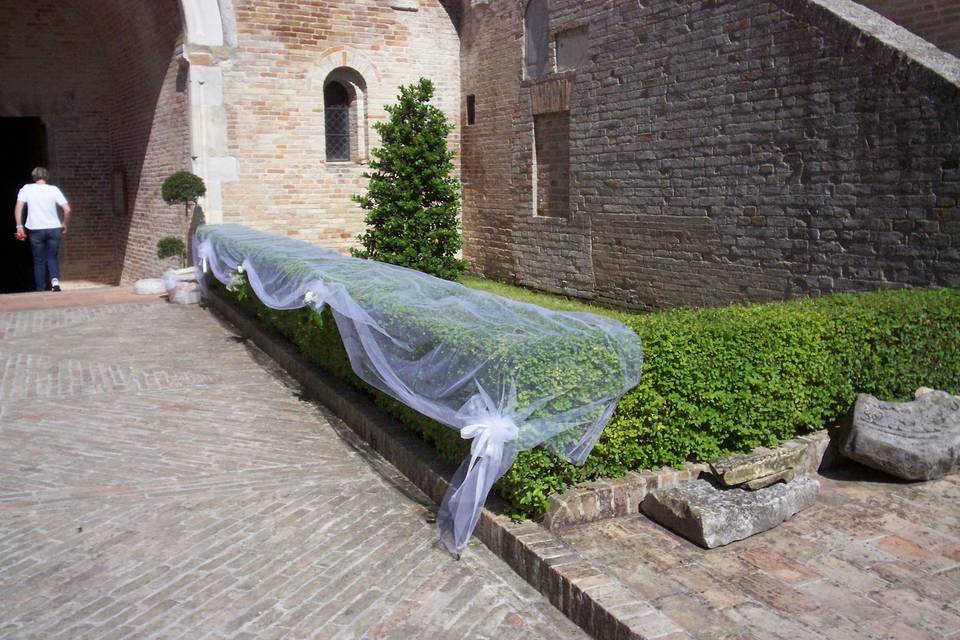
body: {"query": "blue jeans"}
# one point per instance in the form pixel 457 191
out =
pixel 45 244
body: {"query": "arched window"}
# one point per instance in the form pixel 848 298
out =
pixel 336 105
pixel 536 27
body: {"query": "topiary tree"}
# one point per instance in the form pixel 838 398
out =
pixel 413 198
pixel 183 188
pixel 171 247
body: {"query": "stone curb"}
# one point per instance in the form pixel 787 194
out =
pixel 599 603
pixel 603 499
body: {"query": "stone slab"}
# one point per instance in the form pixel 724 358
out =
pixel 712 517
pixel 740 468
pixel 918 440
pixel 759 483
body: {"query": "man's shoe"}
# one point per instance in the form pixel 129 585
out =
pixel 55 284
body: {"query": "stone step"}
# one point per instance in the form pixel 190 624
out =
pixel 712 516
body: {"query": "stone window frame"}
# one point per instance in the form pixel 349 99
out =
pixel 566 33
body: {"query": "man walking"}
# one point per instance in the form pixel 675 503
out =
pixel 44 226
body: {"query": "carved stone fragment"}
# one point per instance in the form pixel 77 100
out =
pixel 712 516
pixel 740 468
pixel 918 440
pixel 759 483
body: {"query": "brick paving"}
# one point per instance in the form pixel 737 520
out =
pixel 161 479
pixel 70 297
pixel 874 559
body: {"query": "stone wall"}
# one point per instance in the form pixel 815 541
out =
pixel 937 21
pixel 719 152
pixel 274 100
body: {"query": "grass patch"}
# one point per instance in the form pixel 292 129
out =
pixel 539 298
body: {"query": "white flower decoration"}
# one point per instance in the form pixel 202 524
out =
pixel 236 279
pixel 310 297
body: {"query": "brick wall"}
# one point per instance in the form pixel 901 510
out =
pixel 935 20
pixel 149 127
pixel 719 151
pixel 491 69
pixel 273 92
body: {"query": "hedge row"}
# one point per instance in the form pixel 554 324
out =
pixel 714 380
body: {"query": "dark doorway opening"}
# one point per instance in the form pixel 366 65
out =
pixel 25 148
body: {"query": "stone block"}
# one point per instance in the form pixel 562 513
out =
pixel 405 5
pixel 149 287
pixel 918 440
pixel 741 468
pixel 711 516
pixel 759 483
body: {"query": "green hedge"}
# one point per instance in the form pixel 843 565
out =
pixel 714 380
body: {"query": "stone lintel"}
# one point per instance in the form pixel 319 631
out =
pixel 405 5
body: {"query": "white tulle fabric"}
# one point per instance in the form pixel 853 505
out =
pixel 457 355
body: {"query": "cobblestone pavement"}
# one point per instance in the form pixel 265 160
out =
pixel 873 559
pixel 160 479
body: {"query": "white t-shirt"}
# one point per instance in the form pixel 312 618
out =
pixel 42 201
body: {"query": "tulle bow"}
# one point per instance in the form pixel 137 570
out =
pixel 489 436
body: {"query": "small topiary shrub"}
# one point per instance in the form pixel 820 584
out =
pixel 714 380
pixel 413 198
pixel 171 247
pixel 183 188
